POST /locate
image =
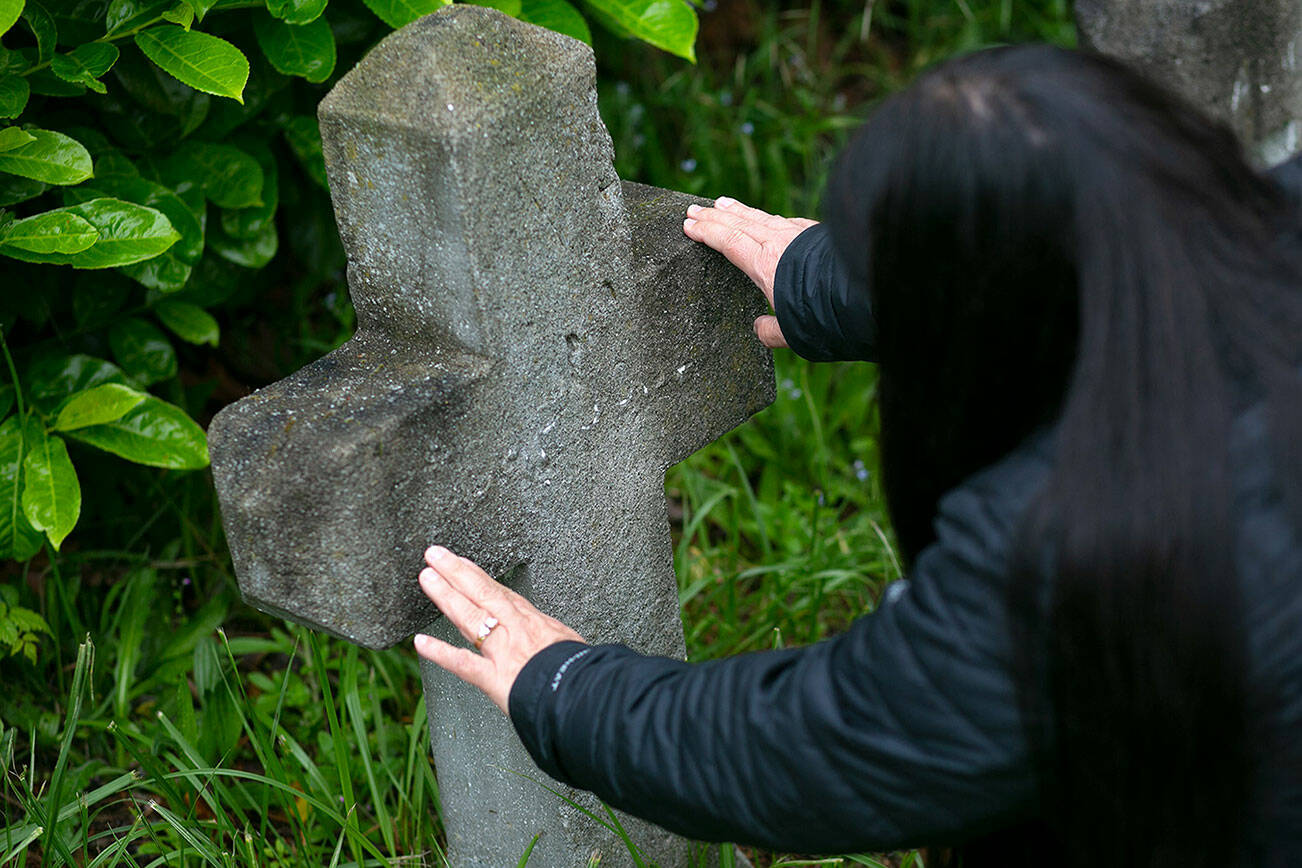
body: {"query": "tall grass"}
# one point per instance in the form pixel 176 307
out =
pixel 168 724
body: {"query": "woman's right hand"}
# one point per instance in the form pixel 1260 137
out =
pixel 751 239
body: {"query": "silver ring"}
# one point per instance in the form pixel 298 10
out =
pixel 484 629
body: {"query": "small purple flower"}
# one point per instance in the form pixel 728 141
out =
pixel 688 165
pixel 747 128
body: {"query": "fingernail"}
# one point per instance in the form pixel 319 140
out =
pixel 435 553
pixel 689 223
pixel 724 202
pixel 420 640
pixel 694 209
pixel 427 575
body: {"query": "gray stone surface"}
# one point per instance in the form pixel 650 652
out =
pixel 537 342
pixel 1237 59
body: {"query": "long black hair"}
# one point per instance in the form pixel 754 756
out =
pixel 1050 241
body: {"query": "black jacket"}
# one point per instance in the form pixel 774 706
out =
pixel 904 730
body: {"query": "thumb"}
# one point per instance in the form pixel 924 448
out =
pixel 769 333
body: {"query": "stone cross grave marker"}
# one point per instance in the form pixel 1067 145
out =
pixel 537 343
pixel 1236 59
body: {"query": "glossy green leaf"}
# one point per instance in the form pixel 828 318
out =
pixel 126 15
pixel 43 28
pixel 51 493
pixel 53 379
pixel 667 24
pixel 12 137
pixel 127 233
pixel 51 157
pixel 296 11
pixel 10 10
pixel 154 433
pixel 97 406
pixel 396 13
pixel 556 15
pixel 189 322
pixel 230 178
pixel 85 64
pixel 201 60
pixel 142 350
pixel 253 252
pixel 304 138
pixel 57 231
pixel 14 92
pixel 304 50
pixel 152 195
pixel 14 189
pixel 169 271
pixel 18 539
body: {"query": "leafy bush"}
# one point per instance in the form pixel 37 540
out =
pixel 162 176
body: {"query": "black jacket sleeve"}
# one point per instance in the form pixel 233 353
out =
pixel 903 730
pixel 824 314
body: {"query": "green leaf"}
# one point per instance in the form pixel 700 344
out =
pixel 51 157
pixel 56 231
pixel 230 178
pixel 556 15
pixel 18 539
pixel 251 222
pixel 305 50
pixel 296 11
pixel 10 10
pixel 14 91
pixel 52 379
pixel 667 24
pixel 128 233
pixel 304 138
pixel 253 252
pixel 396 13
pixel 154 433
pixel 201 7
pixel 14 189
pixel 152 195
pixel 85 64
pixel 97 406
pixel 182 14
pixel 43 28
pixel 164 273
pixel 125 15
pixel 51 493
pixel 189 322
pixel 12 137
pixel 142 350
pixel 201 60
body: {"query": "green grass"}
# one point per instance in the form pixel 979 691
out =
pixel 165 723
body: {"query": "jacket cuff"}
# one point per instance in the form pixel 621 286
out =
pixel 824 315
pixel 532 699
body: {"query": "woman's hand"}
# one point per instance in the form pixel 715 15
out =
pixel 505 626
pixel 752 240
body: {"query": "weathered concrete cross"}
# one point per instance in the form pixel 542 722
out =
pixel 1236 59
pixel 537 343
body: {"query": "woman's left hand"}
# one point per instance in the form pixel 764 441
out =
pixel 503 625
